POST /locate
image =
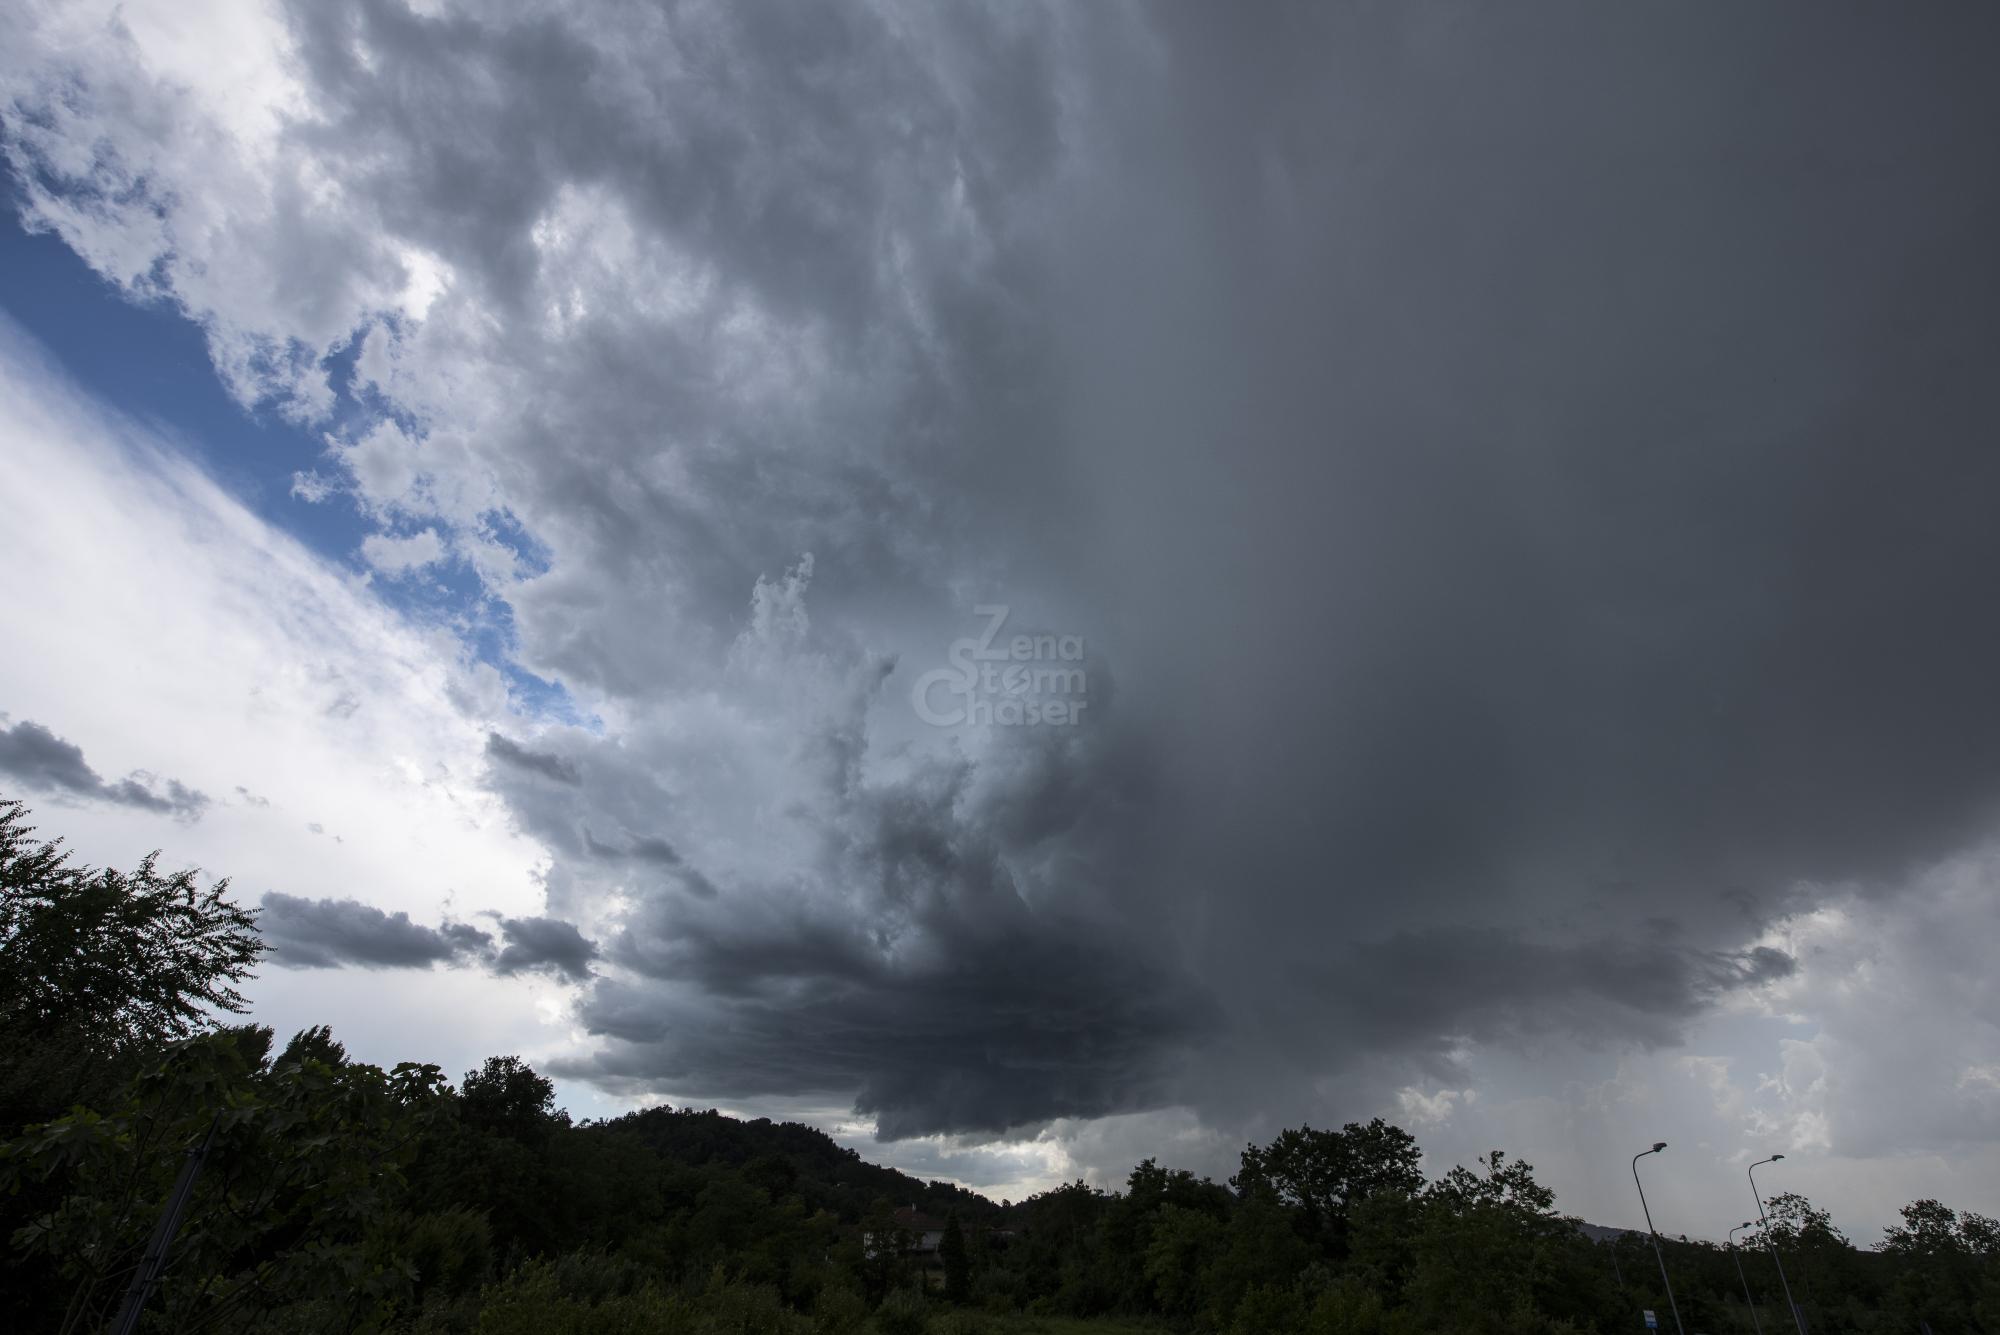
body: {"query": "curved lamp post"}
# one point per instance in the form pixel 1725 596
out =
pixel 1658 1255
pixel 1751 1172
pixel 1748 1301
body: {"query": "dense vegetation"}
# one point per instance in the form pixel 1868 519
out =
pixel 334 1195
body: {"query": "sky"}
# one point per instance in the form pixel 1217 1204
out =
pixel 1046 585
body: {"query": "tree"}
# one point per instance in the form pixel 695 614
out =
pixel 1488 1248
pixel 300 1203
pixel 1323 1173
pixel 1948 1266
pixel 506 1097
pixel 98 968
pixel 957 1266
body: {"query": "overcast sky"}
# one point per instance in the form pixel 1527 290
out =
pixel 1047 585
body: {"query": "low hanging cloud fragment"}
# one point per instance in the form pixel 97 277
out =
pixel 1436 987
pixel 330 933
pixel 36 757
pixel 334 933
pixel 516 756
pixel 653 851
pixel 544 945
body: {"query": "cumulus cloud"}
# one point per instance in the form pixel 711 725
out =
pixel 40 760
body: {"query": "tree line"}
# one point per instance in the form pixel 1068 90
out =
pixel 328 1194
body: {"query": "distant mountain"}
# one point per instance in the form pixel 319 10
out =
pixel 1600 1233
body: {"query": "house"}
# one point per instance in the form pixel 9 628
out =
pixel 926 1232
pixel 921 1239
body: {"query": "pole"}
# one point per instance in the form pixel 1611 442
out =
pixel 1798 1317
pixel 1658 1255
pixel 155 1259
pixel 1748 1301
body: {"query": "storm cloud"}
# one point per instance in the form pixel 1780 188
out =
pixel 329 933
pixel 511 753
pixel 37 758
pixel 1520 476
pixel 529 944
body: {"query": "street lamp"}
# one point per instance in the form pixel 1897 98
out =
pixel 1658 1255
pixel 1751 1172
pixel 1750 1302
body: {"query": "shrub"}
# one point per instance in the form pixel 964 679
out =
pixel 839 1311
pixel 903 1312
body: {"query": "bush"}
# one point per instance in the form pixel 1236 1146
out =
pixel 963 1323
pixel 903 1312
pixel 594 1277
pixel 530 1302
pixel 1268 1308
pixel 732 1308
pixel 451 1250
pixel 839 1311
pixel 1347 1308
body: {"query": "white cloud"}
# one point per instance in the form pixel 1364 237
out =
pixel 400 556
pixel 157 623
pixel 312 488
pixel 1421 1110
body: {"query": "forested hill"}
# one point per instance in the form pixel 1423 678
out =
pixel 789 1159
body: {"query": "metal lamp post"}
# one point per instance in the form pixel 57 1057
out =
pixel 1658 1255
pixel 1798 1318
pixel 1748 1301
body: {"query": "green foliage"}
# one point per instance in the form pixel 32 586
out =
pixel 957 1264
pixel 1323 1174
pixel 506 1097
pixel 96 966
pixel 1949 1276
pixel 302 1171
pixel 903 1312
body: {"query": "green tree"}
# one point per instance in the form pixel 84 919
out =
pixel 1185 1244
pixel 99 967
pixel 1947 1264
pixel 1489 1249
pixel 957 1265
pixel 300 1204
pixel 506 1097
pixel 1324 1173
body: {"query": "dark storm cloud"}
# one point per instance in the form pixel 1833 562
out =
pixel 329 933
pixel 1001 1031
pixel 530 944
pixel 1446 985
pixel 657 852
pixel 33 755
pixel 1495 480
pixel 1529 467
pixel 532 762
pixel 1548 495
pixel 921 970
